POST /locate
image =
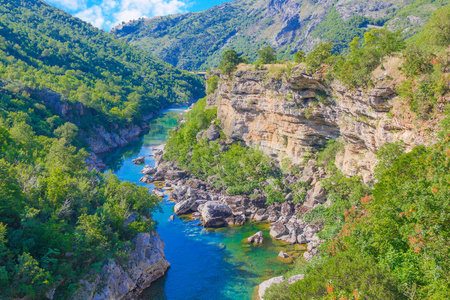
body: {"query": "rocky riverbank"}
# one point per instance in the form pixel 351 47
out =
pixel 215 208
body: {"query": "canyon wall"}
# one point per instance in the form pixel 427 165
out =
pixel 287 114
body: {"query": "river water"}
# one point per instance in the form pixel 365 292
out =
pixel 205 264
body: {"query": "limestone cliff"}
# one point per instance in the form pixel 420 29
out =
pixel 287 114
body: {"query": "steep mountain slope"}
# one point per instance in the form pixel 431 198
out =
pixel 195 41
pixel 42 47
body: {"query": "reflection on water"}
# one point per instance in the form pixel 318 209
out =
pixel 205 264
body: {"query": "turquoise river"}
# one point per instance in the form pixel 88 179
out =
pixel 205 264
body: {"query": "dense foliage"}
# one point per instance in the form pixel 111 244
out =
pixel 42 47
pixel 58 220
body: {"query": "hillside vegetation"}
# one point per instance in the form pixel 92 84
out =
pixel 60 222
pixel 196 41
pixel 42 47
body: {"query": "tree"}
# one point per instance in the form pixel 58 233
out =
pixel 299 56
pixel 230 60
pixel 319 55
pixel 438 29
pixel 68 131
pixel 267 55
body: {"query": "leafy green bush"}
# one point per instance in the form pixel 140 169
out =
pixel 267 55
pixel 319 56
pixel 230 60
pixel 212 84
pixel 356 68
pixel 416 61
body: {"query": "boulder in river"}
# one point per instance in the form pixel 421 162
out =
pixel 183 207
pixel 146 179
pixel 139 161
pixel 148 170
pixel 158 192
pixel 215 213
pixel 257 238
pixel 283 254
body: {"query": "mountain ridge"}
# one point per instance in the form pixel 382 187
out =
pixel 195 41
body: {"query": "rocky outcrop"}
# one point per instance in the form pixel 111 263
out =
pixel 289 114
pixel 215 214
pixel 146 263
pixel 148 170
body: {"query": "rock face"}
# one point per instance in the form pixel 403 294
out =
pixel 146 264
pixel 287 116
pixel 215 213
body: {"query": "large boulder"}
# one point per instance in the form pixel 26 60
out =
pixel 148 170
pixel 183 207
pixel 146 179
pixel 286 233
pixel 257 238
pixel 158 192
pixel 266 284
pixel 146 264
pixel 215 213
pixel 139 161
pixel 278 230
pixel 175 174
pixel 213 133
pixel 178 193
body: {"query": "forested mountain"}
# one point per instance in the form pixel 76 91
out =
pixel 42 47
pixel 195 41
pixel 60 222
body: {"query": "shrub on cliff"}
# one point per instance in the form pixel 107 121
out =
pixel 230 60
pixel 212 84
pixel 267 55
pixel 355 69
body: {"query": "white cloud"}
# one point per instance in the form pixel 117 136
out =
pixel 127 15
pixel 108 13
pixel 69 4
pixel 93 15
pixel 134 9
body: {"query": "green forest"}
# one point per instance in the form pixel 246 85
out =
pixel 42 47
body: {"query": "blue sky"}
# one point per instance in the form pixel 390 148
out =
pixel 108 13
